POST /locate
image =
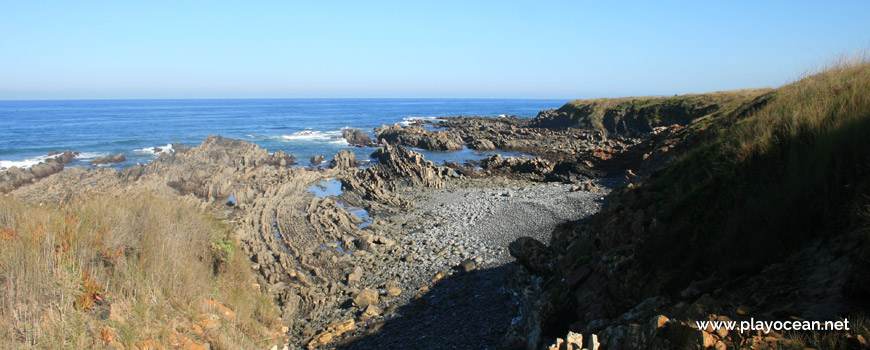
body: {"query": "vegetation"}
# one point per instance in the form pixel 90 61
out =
pixel 105 271
pixel 784 168
pixel 641 114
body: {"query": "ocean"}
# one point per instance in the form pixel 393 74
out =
pixel 30 130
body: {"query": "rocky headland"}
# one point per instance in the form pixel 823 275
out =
pixel 622 227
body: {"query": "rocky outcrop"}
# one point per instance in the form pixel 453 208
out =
pixel 397 167
pixel 357 138
pixel 15 177
pixel 344 159
pixel 118 158
pixel 537 168
pixel 281 159
pixel 416 136
pixel 316 160
pixel 637 115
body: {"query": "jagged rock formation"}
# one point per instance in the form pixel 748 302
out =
pixel 357 138
pixel 118 158
pixel 416 136
pixel 344 159
pixel 15 177
pixel 397 167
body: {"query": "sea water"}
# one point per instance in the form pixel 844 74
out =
pixel 142 129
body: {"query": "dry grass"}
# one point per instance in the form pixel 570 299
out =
pixel 141 266
pixel 809 109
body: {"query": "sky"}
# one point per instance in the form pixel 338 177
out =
pixel 416 49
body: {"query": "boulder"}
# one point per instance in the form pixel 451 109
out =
pixel 344 159
pixel 365 298
pixel 316 160
pixel 357 138
pixel 118 158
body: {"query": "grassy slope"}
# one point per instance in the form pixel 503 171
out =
pixel 796 169
pixel 152 261
pixel 644 112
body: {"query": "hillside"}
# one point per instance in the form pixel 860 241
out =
pixel 765 210
pixel 634 116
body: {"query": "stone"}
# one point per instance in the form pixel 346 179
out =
pixel 371 311
pixel 744 310
pixel 118 158
pixel 355 276
pixel 316 160
pixel 343 326
pixel 356 138
pixel 467 265
pixel 344 159
pixel 365 298
pixel 394 291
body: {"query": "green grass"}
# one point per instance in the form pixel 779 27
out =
pixel 151 260
pixel 644 113
pixel 769 178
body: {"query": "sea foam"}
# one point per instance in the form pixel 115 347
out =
pixel 409 120
pixel 153 150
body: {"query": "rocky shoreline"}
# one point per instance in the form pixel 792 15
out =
pixel 501 253
pixel 404 242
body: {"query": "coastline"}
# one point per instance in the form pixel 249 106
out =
pixel 564 243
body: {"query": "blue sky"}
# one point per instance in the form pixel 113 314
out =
pixel 487 49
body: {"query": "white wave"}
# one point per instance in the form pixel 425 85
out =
pixel 408 120
pixel 91 155
pixel 340 142
pixel 312 135
pixel 26 163
pixel 153 150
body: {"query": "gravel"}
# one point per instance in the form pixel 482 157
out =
pixel 454 225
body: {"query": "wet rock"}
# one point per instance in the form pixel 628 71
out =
pixel 316 160
pixel 118 158
pixel 15 177
pixel 357 138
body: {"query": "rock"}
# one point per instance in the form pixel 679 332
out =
pixel 280 159
pixel 394 291
pixel 744 310
pixel 344 159
pixel 534 166
pixel 15 177
pixel 467 265
pixel 321 340
pixel 356 138
pixel 355 276
pixel 416 136
pixel 482 145
pixel 316 160
pixel 371 311
pixel 365 298
pixel 118 158
pixel 532 254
